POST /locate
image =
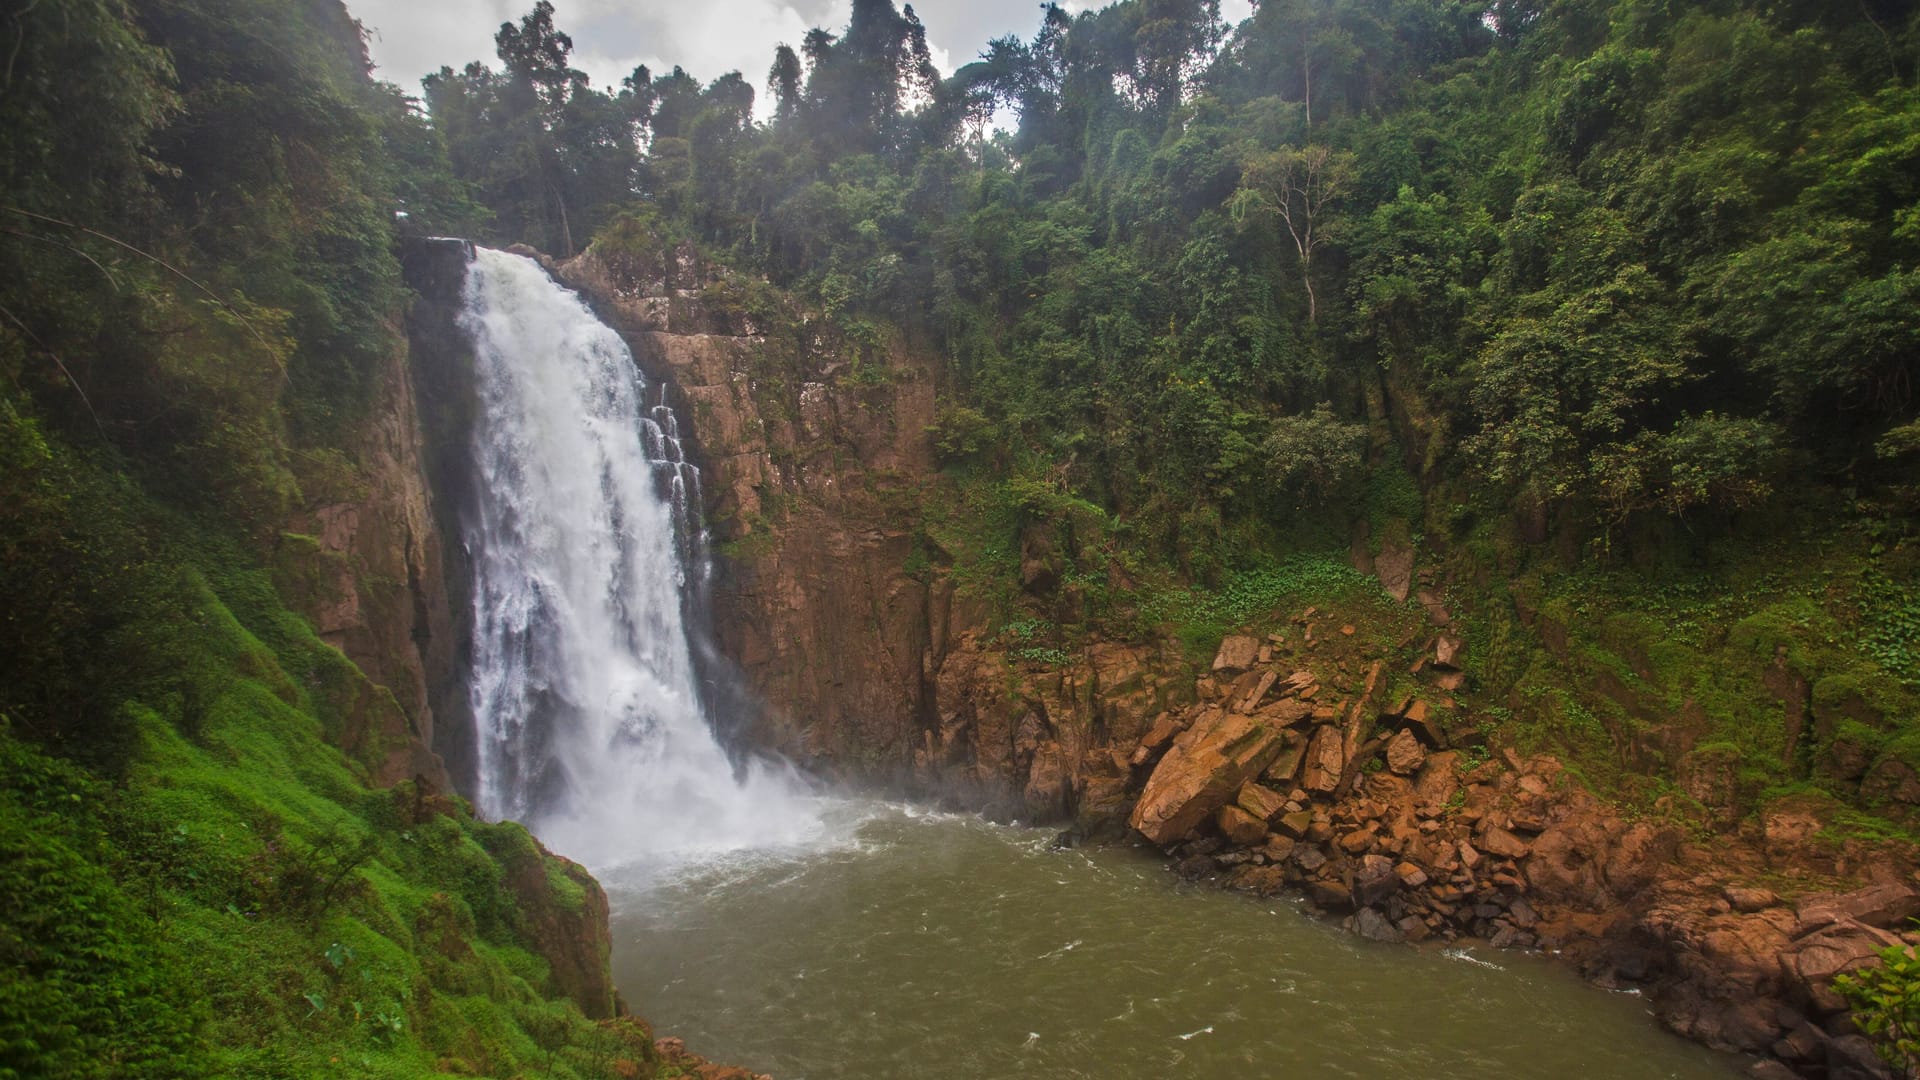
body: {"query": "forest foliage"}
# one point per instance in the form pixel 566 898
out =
pixel 199 295
pixel 1632 257
pixel 1481 274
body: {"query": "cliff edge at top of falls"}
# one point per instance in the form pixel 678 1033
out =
pixel 1338 751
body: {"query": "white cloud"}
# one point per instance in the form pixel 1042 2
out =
pixel 411 38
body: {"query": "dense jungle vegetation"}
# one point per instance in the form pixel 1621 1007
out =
pixel 198 296
pixel 1606 307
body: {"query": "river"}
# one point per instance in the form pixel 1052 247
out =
pixel 924 946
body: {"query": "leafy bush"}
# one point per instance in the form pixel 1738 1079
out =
pixel 1885 1000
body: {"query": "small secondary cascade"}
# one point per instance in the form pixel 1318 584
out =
pixel 584 540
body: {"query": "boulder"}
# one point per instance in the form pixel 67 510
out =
pixel 1287 712
pixel 1252 697
pixel 1259 801
pixel 1326 760
pixel 1165 727
pixel 1295 824
pixel 1887 906
pixel 1747 900
pixel 1405 755
pixel 1446 651
pixel 1840 947
pixel 1375 880
pixel 1331 895
pixel 1374 926
pixel 1238 652
pixel 1891 780
pixel 1394 565
pixel 1503 844
pixel 1201 772
pixel 1286 764
pixel 1241 827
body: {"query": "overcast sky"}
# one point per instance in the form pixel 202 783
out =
pixel 707 37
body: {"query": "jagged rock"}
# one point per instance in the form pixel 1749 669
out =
pixel 1410 875
pixel 1309 857
pixel 1405 755
pixel 1438 779
pixel 1372 925
pixel 1287 712
pixel 1101 810
pixel 1201 771
pixel 1326 760
pixel 1374 880
pixel 1241 827
pixel 1237 653
pixel 1332 895
pixel 1165 727
pixel 1852 1057
pixel 1260 880
pixel 1295 824
pixel 1749 900
pixel 1286 764
pixel 1296 683
pixel 1252 697
pixel 1260 801
pixel 1446 651
pixel 1886 906
pixel 1499 842
pixel 1394 565
pixel 1522 914
pixel 1240 687
pixel 1813 960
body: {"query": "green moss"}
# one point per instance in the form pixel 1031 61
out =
pixel 241 903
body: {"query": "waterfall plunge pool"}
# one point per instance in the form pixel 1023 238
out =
pixel 925 946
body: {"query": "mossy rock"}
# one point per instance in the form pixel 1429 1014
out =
pixel 1894 777
pixel 1849 751
pixel 1863 694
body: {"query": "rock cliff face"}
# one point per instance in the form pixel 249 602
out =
pixel 809 446
pixel 367 569
pixel 814 448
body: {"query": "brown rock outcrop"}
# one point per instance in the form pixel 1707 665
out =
pixel 1205 768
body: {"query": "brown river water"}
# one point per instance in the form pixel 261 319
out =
pixel 923 946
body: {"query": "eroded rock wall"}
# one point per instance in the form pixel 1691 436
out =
pixel 367 567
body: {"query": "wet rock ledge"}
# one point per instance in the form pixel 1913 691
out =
pixel 1276 782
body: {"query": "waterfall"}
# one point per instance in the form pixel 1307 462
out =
pixel 583 539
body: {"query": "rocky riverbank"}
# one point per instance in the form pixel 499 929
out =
pixel 1289 775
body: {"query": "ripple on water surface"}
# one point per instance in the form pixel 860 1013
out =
pixel 921 945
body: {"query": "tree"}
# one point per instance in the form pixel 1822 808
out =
pixel 783 81
pixel 1298 185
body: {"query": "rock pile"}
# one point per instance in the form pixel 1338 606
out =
pixel 1281 781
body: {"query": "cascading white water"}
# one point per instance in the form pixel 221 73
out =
pixel 589 725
